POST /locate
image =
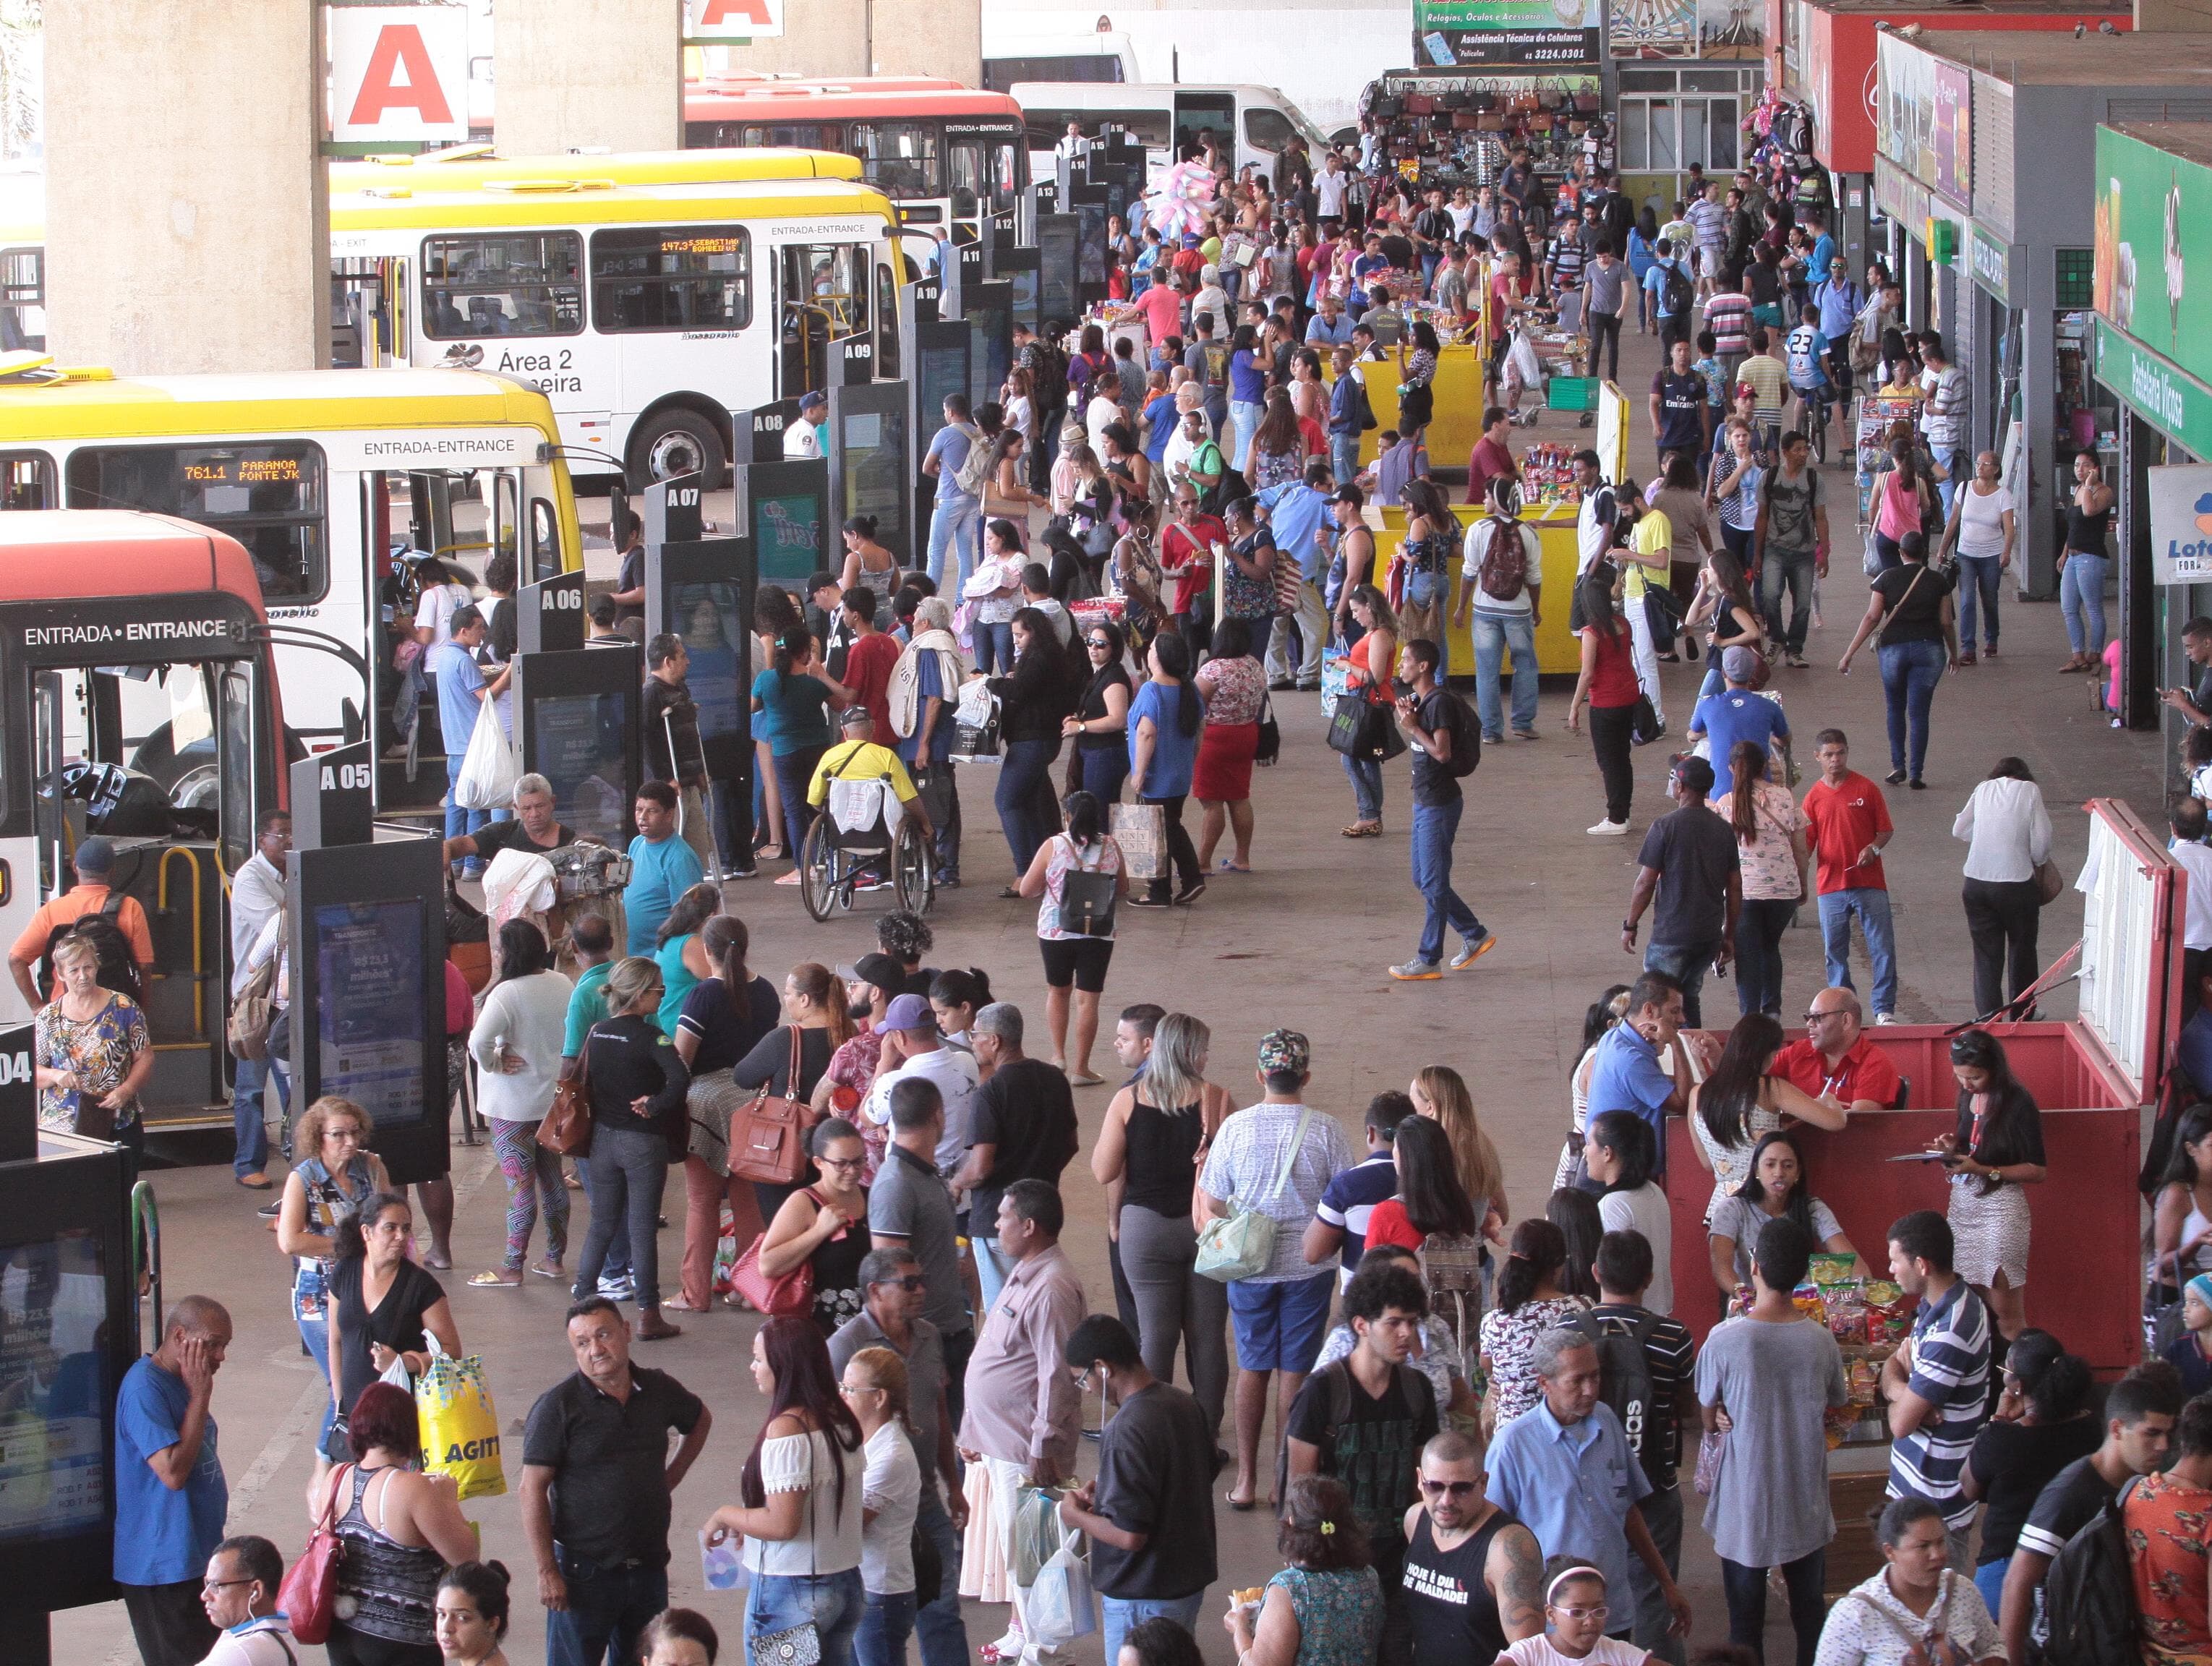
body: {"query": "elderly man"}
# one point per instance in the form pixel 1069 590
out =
pixel 171 1498
pixel 1627 1074
pixel 240 1597
pixel 1566 1469
pixel 1835 1062
pixel 1474 1576
pixel 1023 1128
pixel 1024 1416
pixel 533 827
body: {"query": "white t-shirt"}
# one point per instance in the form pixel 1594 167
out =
pixel 1329 187
pixel 434 612
pixel 1981 522
pixel 893 1491
pixel 264 1642
pixel 800 440
pixel 1645 1210
pixel 1610 1652
pixel 954 1073
pixel 1477 547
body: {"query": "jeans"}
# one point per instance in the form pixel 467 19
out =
pixel 459 819
pixel 1758 930
pixel 1243 423
pixel 617 1265
pixel 885 1624
pixel 608 1607
pixel 994 647
pixel 794 773
pixel 629 1170
pixel 1026 800
pixel 1609 728
pixel 1957 466
pixel 1366 775
pixel 1662 1515
pixel 2002 915
pixel 956 524
pixel 1871 905
pixel 1344 457
pixel 310 1288
pixel 1313 634
pixel 1979 577
pixel 1989 1579
pixel 1435 827
pixel 943 1636
pixel 2081 599
pixel 1909 672
pixel 1745 1590
pixel 1605 337
pixel 1174 1302
pixel 1122 1616
pixel 834 1601
pixel 247 1115
pixel 1046 448
pixel 1497 634
pixel 1182 855
pixel 990 1272
pixel 1686 963
pixel 1104 768
pixel 1791 568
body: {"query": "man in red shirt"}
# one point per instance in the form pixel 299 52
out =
pixel 1492 455
pixel 1186 556
pixel 869 657
pixel 1848 822
pixel 1835 1063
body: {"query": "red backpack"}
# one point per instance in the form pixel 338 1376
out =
pixel 1504 571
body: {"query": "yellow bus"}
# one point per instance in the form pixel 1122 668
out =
pixel 467 167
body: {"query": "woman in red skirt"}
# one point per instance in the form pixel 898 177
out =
pixel 1235 686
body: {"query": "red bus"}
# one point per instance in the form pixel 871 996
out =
pixel 951 157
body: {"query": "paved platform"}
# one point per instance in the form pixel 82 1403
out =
pixel 1304 941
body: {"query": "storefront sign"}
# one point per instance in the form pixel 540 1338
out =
pixel 1922 116
pixel 2176 404
pixel 1899 196
pixel 2181 523
pixel 722 22
pixel 2153 249
pixel 1447 32
pixel 1990 262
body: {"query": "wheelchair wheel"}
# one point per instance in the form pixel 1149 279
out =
pixel 818 884
pixel 912 875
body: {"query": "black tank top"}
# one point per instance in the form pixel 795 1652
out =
pixel 1158 1169
pixel 1454 1617
pixel 2086 531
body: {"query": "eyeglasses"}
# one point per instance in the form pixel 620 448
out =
pixel 1457 1489
pixel 1816 1018
pixel 857 1388
pixel 1597 1612
pixel 841 1162
pixel 224 1585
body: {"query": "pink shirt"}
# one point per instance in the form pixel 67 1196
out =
pixel 1163 310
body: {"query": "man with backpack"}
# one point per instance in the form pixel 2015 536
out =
pixel 1366 1418
pixel 114 920
pixel 1047 367
pixel 959 461
pixel 2069 1535
pixel 1446 746
pixel 1667 280
pixel 1644 1374
pixel 1502 578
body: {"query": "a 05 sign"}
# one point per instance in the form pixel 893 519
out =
pixel 398 73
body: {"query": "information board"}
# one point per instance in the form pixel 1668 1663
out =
pixel 787 515
pixel 872 461
pixel 1057 237
pixel 989 311
pixel 1452 34
pixel 368 970
pixel 1019 268
pixel 55 1386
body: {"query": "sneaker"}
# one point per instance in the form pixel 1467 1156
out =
pixel 1493 740
pixel 1990 651
pixel 619 1290
pixel 948 882
pixel 1526 734
pixel 1147 902
pixel 1966 658
pixel 269 1211
pixel 1473 949
pixel 1417 971
pixel 1191 893
pixel 1283 686
pixel 1887 1017
pixel 1797 662
pixel 1607 829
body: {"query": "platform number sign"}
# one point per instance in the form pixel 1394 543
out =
pixel 399 74
pixel 14 1069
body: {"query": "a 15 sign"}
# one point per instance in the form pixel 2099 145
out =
pixel 706 22
pixel 398 73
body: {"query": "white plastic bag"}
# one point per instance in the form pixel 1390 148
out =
pixel 1061 1605
pixel 488 770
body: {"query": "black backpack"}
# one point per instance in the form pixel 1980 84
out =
pixel 1625 1382
pixel 1675 289
pixel 1337 1376
pixel 2089 1594
pixel 1466 737
pixel 1049 380
pixel 118 964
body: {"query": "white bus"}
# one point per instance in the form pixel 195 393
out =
pixel 1167 118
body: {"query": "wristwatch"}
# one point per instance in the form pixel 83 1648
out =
pixel 1628 926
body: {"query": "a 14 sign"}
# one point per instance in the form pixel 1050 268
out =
pixel 400 73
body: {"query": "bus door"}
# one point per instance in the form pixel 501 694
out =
pixel 1195 113
pixel 983 176
pixel 368 312
pixel 823 300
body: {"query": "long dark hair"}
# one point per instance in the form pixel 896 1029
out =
pixel 1597 603
pixel 1279 429
pixel 727 939
pixel 2180 1167
pixel 1574 1212
pixel 1087 819
pixel 1746 762
pixel 1601 1017
pixel 522 950
pixel 1730 1092
pixel 799 1360
pixel 349 1238
pixel 1426 499
pixel 1174 661
pixel 2012 1108
pixel 1629 1137
pixel 1799 1207
pixel 1428 1182
pixel 1538 1250
pixel 1727 572
pixel 693 909
pixel 2009 768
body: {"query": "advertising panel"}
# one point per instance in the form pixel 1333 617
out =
pixel 1452 32
pixel 2181 523
pixel 2154 227
pixel 1922 116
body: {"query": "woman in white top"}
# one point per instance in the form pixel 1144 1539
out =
pixel 1619 1155
pixel 517 1044
pixel 802 1515
pixel 1915 1609
pixel 2007 830
pixel 1076 941
pixel 875 1387
pixel 1981 531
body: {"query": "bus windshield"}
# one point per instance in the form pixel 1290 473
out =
pixel 267 494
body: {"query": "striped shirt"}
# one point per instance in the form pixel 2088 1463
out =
pixel 1708 222
pixel 1951 1369
pixel 1728 315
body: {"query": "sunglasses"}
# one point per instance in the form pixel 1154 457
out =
pixel 1457 1489
pixel 1097 642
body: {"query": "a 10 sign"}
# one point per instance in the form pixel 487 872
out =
pixel 398 72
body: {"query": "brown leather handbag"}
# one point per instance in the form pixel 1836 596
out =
pixel 567 1129
pixel 768 1136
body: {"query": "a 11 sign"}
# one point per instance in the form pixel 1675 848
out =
pixel 398 73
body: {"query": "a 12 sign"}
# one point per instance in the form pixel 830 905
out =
pixel 398 73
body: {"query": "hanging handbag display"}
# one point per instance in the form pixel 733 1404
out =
pixel 768 1134
pixel 308 1596
pixel 567 1129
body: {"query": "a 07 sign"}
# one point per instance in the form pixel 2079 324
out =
pixel 398 72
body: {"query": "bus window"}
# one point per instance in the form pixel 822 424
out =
pixel 714 136
pixel 27 481
pixel 796 136
pixel 267 494
pixel 545 541
pixel 825 299
pixel 504 283
pixel 900 158
pixel 23 299
pixel 981 173
pixel 1268 130
pixel 673 277
pixel 1047 128
pixel 887 336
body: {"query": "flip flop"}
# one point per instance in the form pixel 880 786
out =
pixel 1085 1078
pixel 1228 866
pixel 1243 1506
pixel 490 1280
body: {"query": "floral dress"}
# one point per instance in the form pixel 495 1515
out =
pixel 1508 1343
pixel 100 1052
pixel 1340 1614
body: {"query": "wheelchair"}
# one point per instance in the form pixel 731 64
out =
pixel 833 859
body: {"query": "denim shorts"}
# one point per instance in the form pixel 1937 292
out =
pixel 1279 1326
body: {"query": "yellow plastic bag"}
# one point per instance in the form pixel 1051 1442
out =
pixel 460 1430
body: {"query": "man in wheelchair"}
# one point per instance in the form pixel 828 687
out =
pixel 858 758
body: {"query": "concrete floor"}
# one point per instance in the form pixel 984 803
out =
pixel 1303 942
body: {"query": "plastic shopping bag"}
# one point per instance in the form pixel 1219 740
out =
pixel 460 1429
pixel 1037 1535
pixel 1061 1605
pixel 488 770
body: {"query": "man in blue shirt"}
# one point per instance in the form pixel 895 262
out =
pixel 1348 413
pixel 662 866
pixel 1332 326
pixel 171 1498
pixel 1736 713
pixel 955 521
pixel 1824 247
pixel 1565 1470
pixel 1674 325
pixel 1625 1074
pixel 462 691
pixel 1937 1391
pixel 1299 515
pixel 1839 301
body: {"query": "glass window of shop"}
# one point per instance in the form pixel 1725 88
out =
pixel 1671 118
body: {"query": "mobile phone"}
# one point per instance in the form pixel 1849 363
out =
pixel 1438 48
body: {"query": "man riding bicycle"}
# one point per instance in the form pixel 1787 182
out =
pixel 1805 354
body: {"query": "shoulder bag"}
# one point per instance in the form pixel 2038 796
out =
pixel 252 1013
pixel 1086 898
pixel 1268 748
pixel 1882 630
pixel 1243 1245
pixel 308 1596
pixel 567 1129
pixel 788 1295
pixel 767 1140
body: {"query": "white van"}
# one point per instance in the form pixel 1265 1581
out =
pixel 1167 117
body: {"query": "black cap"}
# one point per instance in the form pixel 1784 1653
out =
pixel 880 970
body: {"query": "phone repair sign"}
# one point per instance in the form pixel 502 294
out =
pixel 2181 523
pixel 399 74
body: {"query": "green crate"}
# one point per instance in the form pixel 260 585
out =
pixel 1571 394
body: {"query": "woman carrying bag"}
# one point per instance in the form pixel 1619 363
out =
pixel 1080 876
pixel 823 1227
pixel 1909 616
pixel 516 1044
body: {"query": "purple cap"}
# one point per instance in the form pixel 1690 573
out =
pixel 907 1013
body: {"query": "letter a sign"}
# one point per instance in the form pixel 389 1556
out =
pixel 706 22
pixel 398 73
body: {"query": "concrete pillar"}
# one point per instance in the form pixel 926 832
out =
pixel 875 37
pixel 579 75
pixel 185 235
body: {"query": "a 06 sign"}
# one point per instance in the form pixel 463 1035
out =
pixel 398 72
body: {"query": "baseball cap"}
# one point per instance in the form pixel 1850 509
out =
pixel 908 1012
pixel 1284 1050
pixel 814 400
pixel 95 855
pixel 880 970
pixel 857 714
pixel 1695 774
pixel 1739 663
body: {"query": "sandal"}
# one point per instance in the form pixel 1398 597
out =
pixel 1362 830
pixel 549 1269
pixel 1228 866
pixel 1085 1078
pixel 491 1279
pixel 678 1305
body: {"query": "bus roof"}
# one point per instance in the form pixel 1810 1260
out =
pixel 465 167
pixel 838 100
pixel 598 202
pixel 303 401
pixel 48 555
pixel 747 81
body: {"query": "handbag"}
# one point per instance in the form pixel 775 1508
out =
pixel 768 1134
pixel 1086 900
pixel 252 1013
pixel 1268 747
pixel 1241 1246
pixel 2161 1319
pixel 567 1129
pixel 976 725
pixel 2049 882
pixel 1712 1447
pixel 308 1596
pixel 784 1296
pixel 1644 724
pixel 799 1646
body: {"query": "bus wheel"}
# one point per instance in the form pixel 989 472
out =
pixel 678 442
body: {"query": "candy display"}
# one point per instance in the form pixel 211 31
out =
pixel 1547 474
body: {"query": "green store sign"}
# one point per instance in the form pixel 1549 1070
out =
pixel 2153 249
pixel 1990 262
pixel 2179 406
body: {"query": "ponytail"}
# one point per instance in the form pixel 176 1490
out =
pixel 826 990
pixel 1087 819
